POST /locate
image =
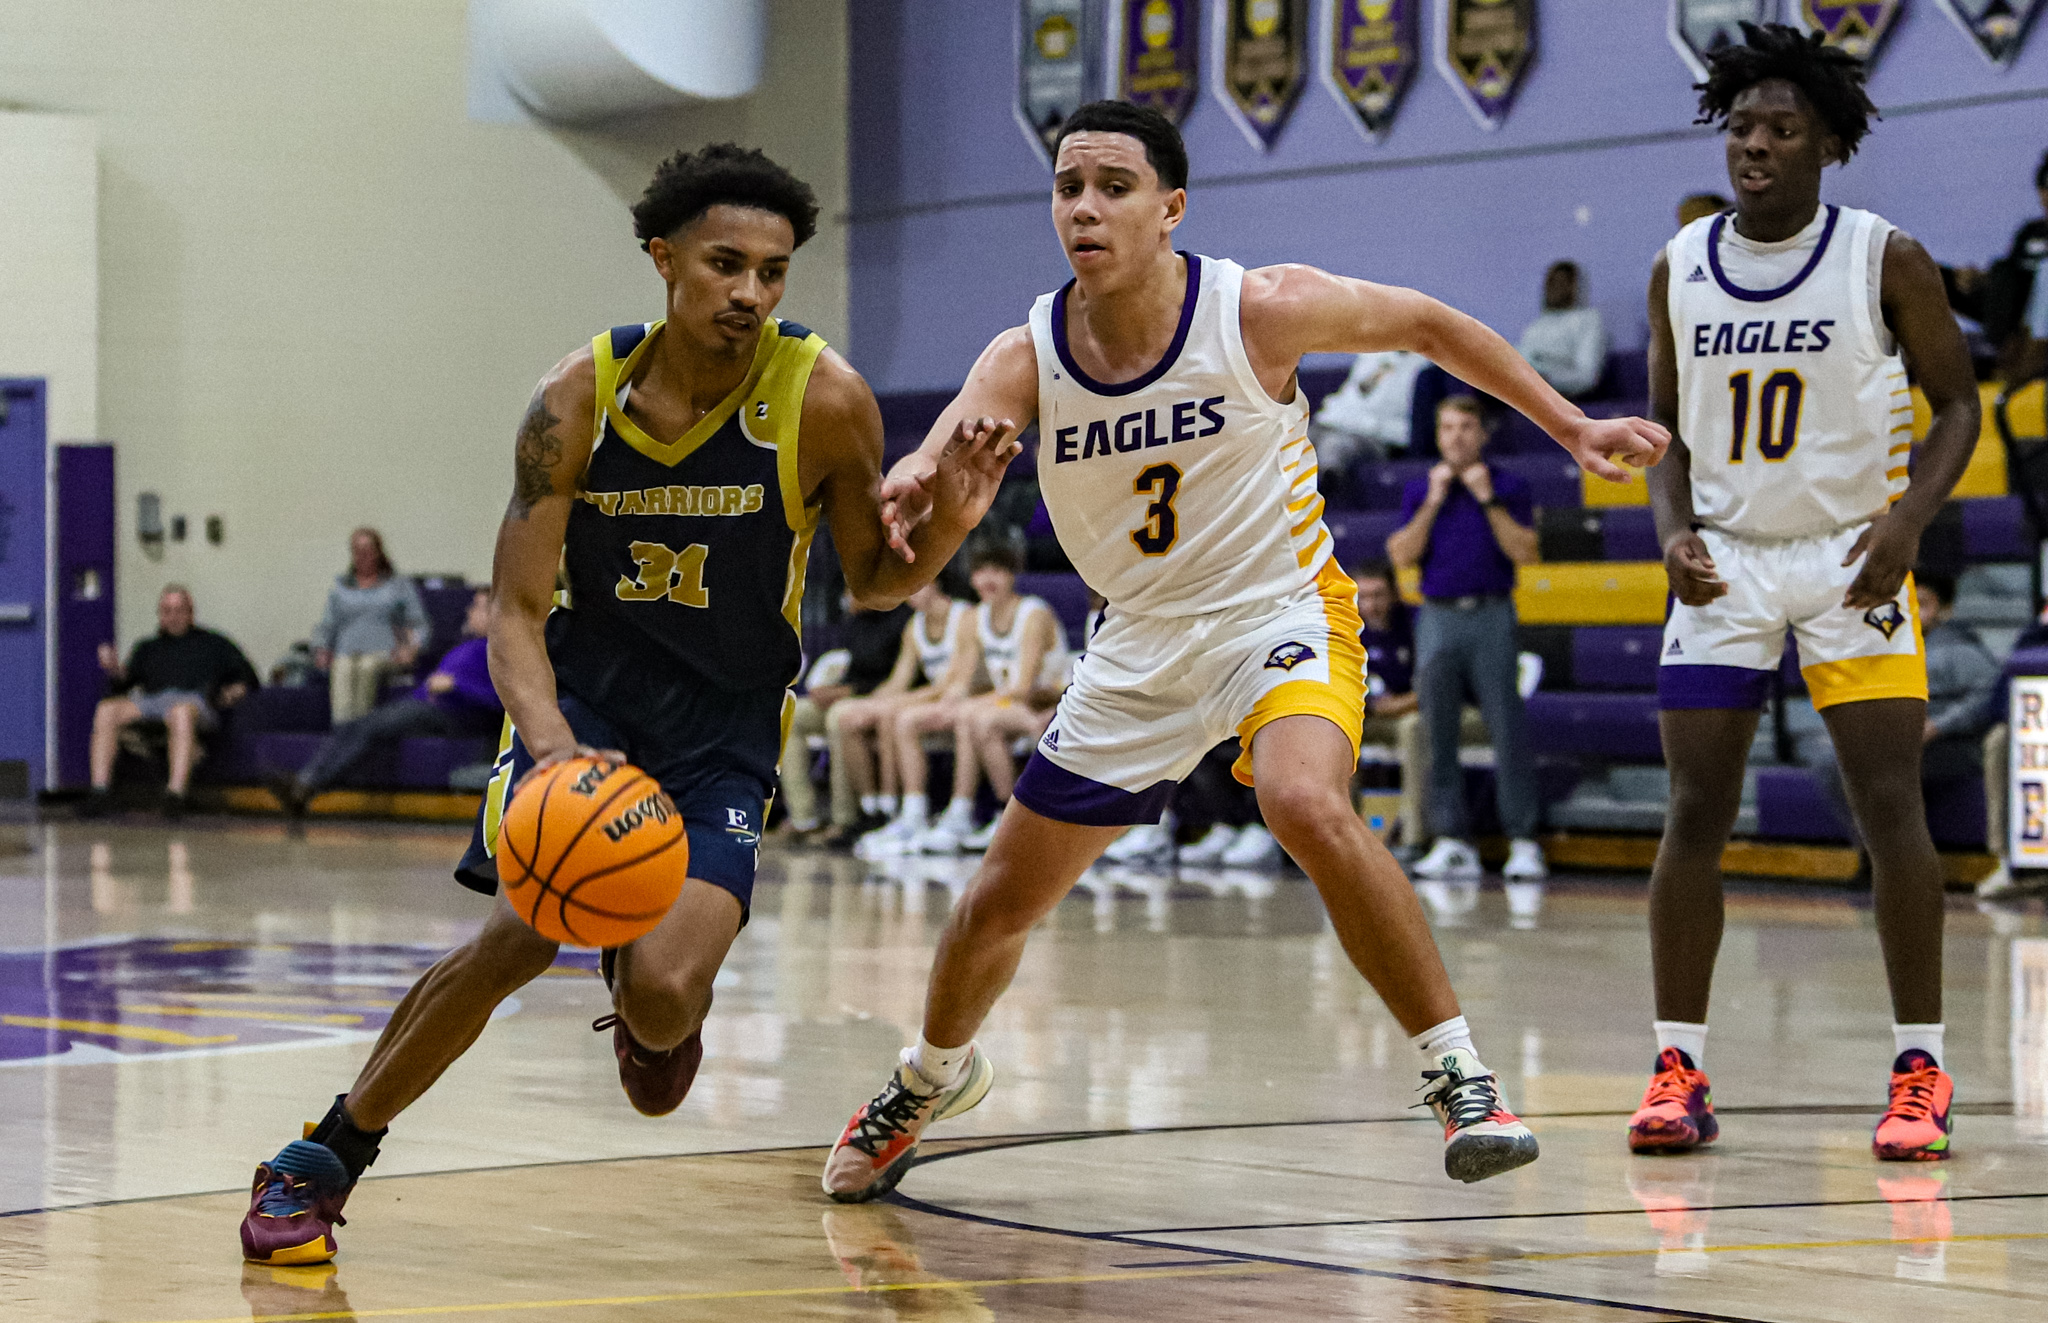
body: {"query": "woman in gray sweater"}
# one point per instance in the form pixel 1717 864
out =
pixel 374 624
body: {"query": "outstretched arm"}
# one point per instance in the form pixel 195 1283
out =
pixel 549 458
pixel 1916 309
pixel 842 460
pixel 1289 311
pixel 980 426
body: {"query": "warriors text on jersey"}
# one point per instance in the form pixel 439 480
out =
pixel 693 551
pixel 1793 401
pixel 1188 489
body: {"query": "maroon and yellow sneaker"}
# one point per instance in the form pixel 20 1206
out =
pixel 876 1147
pixel 655 1082
pixel 1677 1115
pixel 1916 1126
pixel 295 1206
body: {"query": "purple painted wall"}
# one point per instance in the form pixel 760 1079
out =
pixel 951 238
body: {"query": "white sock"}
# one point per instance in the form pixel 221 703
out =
pixel 959 812
pixel 916 808
pixel 1438 1039
pixel 1926 1037
pixel 870 803
pixel 943 1066
pixel 886 804
pixel 1690 1039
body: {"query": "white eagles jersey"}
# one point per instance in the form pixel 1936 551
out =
pixel 1792 397
pixel 1000 653
pixel 1188 489
pixel 934 658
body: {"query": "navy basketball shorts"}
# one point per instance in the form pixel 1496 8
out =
pixel 722 804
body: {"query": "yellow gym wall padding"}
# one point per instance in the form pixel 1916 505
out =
pixel 1591 592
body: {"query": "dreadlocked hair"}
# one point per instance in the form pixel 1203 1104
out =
pixel 1832 79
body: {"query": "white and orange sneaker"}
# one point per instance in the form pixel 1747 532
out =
pixel 1482 1137
pixel 876 1147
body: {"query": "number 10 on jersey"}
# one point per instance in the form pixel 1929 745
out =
pixel 1777 403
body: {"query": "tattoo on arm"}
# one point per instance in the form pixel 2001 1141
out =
pixel 538 452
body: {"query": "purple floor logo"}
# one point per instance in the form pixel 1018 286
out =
pixel 151 997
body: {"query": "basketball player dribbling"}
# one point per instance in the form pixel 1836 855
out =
pixel 1175 462
pixel 1776 343
pixel 679 469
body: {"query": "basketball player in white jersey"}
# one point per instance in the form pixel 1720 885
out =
pixel 1776 342
pixel 1176 466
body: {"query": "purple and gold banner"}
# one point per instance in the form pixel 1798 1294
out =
pixel 1858 27
pixel 1156 50
pixel 1698 28
pixel 1484 50
pixel 1262 63
pixel 1374 48
pixel 1997 27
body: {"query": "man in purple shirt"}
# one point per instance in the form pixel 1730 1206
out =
pixel 1468 525
pixel 457 699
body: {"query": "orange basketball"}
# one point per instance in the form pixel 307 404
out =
pixel 592 853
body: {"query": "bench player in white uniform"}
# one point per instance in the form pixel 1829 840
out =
pixel 1175 462
pixel 1775 347
pixel 862 730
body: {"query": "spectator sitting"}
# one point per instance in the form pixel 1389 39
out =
pixel 874 642
pixel 374 623
pixel 1961 674
pixel 2010 300
pixel 1392 714
pixel 1468 525
pixel 183 676
pixel 1693 206
pixel 457 699
pixel 1567 344
pixel 1365 417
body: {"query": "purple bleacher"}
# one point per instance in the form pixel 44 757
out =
pixel 1955 814
pixel 1068 598
pixel 1995 528
pixel 446 599
pixel 1627 374
pixel 1040 523
pixel 1317 382
pixel 1614 727
pixel 1616 656
pixel 1517 435
pixel 1621 406
pixel 1629 532
pixel 1553 477
pixel 1381 482
pixel 1361 535
pixel 302 707
pixel 1790 806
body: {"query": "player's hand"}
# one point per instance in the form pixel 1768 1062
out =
pixel 1690 569
pixel 962 481
pixel 1889 548
pixel 110 661
pixel 611 757
pixel 1441 476
pixel 1479 482
pixel 1609 447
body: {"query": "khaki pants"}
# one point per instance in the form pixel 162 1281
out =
pixel 353 684
pixel 799 796
pixel 1411 743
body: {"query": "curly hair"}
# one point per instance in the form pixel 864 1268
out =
pixel 689 184
pixel 1832 79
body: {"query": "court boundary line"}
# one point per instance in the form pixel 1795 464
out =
pixel 973 1144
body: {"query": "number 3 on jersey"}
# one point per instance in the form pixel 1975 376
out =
pixel 1777 402
pixel 1156 536
pixel 676 575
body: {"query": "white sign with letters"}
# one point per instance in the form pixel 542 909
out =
pixel 2029 793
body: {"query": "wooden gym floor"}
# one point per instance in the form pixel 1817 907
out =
pixel 1200 1110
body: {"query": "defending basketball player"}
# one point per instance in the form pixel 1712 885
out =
pixel 1776 344
pixel 1175 461
pixel 679 468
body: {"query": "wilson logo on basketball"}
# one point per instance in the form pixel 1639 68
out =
pixel 654 808
pixel 586 785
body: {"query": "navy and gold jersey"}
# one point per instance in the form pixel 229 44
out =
pixel 690 555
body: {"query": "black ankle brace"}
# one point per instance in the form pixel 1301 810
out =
pixel 357 1148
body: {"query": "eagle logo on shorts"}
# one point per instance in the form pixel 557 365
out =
pixel 1288 656
pixel 1886 620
